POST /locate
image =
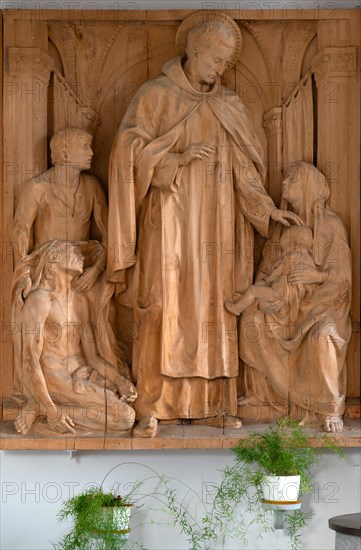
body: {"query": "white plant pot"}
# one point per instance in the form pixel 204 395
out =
pixel 281 489
pixel 121 515
pixel 120 520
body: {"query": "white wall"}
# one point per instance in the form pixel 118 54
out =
pixel 33 484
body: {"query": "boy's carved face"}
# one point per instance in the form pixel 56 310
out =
pixel 79 153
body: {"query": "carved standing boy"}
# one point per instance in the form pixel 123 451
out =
pixel 61 203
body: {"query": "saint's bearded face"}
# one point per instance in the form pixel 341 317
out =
pixel 210 61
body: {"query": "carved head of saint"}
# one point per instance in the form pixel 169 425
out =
pixel 210 47
pixel 72 146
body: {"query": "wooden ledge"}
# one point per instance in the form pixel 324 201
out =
pixel 168 437
pixel 93 15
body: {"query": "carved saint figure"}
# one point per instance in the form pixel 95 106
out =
pixel 185 188
pixel 67 380
pixel 275 294
pixel 303 362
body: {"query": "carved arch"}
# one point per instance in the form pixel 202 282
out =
pixel 256 33
pixel 297 37
pixel 62 35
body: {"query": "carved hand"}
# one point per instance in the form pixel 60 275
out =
pixel 86 280
pixel 196 151
pixel 285 217
pixel 304 274
pixel 23 290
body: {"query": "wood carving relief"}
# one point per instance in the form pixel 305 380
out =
pixel 302 320
pixel 171 264
pixel 58 278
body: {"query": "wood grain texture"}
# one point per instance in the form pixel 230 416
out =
pixel 169 437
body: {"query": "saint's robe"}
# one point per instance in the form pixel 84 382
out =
pixel 184 233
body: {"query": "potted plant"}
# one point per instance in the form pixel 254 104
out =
pixel 101 520
pixel 283 458
pixel 272 469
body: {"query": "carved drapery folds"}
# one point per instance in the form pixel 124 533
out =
pixel 297 38
pixel 298 114
pixel 273 125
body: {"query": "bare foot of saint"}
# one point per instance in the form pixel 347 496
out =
pixel 25 419
pixel 146 427
pixel 333 423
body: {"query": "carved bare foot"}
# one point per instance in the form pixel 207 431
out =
pixel 306 419
pixel 248 400
pixel 231 421
pixel 26 417
pixel 146 427
pixel 62 425
pixel 127 390
pixel 333 423
pixel 58 421
pixel 233 307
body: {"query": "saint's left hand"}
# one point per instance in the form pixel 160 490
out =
pixel 304 274
pixel 285 217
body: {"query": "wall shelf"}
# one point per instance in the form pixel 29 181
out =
pixel 169 437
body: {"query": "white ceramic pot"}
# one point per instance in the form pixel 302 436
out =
pixel 120 520
pixel 277 489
